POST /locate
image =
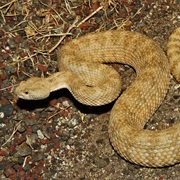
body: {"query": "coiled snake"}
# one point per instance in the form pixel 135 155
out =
pixel 84 70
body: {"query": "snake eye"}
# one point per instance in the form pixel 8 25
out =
pixel 26 92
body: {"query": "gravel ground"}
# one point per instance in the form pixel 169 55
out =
pixel 59 138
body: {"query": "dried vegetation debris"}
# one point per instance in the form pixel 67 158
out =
pixel 58 138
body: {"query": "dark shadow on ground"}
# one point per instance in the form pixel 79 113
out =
pixel 31 105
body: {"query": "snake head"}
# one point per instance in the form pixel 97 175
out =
pixel 33 89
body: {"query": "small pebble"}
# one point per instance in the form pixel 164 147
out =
pixel 38 156
pixel 101 163
pixel 40 134
pixel 23 150
pixel 32 139
pixel 6 110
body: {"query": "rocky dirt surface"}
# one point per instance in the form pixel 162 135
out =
pixel 59 138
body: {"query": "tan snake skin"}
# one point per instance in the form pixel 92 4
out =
pixel 84 71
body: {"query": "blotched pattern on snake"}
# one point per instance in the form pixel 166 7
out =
pixel 84 70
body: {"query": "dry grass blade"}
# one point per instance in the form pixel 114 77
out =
pixel 8 4
pixel 14 131
pixel 74 25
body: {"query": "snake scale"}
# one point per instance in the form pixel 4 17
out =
pixel 85 71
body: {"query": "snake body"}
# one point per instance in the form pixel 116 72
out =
pixel 84 70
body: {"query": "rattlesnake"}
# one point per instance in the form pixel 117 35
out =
pixel 84 70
